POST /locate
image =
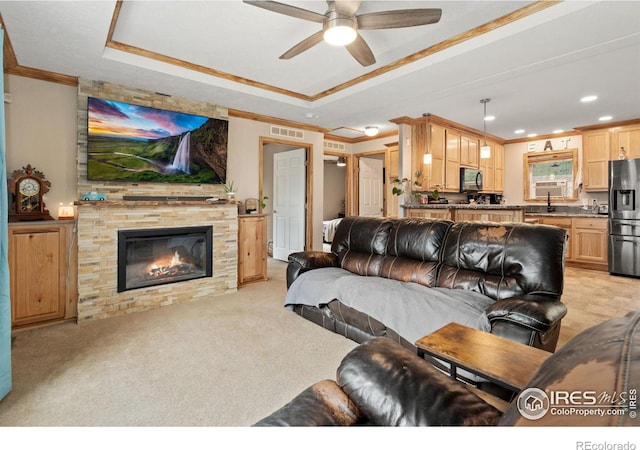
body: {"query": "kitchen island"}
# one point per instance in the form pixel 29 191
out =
pixel 467 212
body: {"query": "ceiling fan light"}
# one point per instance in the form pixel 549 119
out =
pixel 485 152
pixel 340 31
pixel 371 131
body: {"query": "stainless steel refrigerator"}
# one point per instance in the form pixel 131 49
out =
pixel 624 217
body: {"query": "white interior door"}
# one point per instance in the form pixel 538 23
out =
pixel 289 194
pixel 370 187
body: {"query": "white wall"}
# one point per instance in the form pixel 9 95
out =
pixel 514 176
pixel 41 131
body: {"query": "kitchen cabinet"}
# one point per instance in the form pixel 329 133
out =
pixel 626 142
pixel 439 213
pixel 498 168
pixel 487 165
pixel 590 240
pixel 489 215
pixel 432 138
pixel 469 152
pixel 595 155
pixel 43 272
pixel 252 248
pixel 587 239
pixel 452 162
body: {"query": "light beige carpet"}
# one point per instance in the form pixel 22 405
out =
pixel 226 361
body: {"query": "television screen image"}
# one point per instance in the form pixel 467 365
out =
pixel 135 143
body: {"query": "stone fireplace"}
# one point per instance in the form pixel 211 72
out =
pixel 99 225
pixel 150 257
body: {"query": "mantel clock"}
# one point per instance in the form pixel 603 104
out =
pixel 27 187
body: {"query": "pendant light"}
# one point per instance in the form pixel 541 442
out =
pixel 426 158
pixel 342 161
pixel 485 150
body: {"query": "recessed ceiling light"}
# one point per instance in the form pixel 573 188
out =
pixel 558 131
pixel 589 98
pixel 490 118
pixel 519 131
pixel 605 118
pixel 532 134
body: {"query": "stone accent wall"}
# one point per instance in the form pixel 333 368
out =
pixel 98 225
pixel 119 93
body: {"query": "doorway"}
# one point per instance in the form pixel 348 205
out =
pixel 370 185
pixel 299 205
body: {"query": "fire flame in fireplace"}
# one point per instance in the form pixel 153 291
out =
pixel 173 267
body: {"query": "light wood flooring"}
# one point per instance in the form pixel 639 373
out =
pixel 594 296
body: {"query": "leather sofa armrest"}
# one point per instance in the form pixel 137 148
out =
pixel 301 262
pixel 394 387
pixel 537 312
pixel 322 404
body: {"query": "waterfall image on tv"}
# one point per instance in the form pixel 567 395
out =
pixel 141 144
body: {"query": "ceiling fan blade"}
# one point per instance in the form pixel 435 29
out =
pixel 287 10
pixel 398 19
pixel 303 45
pixel 361 51
pixel 348 7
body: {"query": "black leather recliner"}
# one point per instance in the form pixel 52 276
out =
pixel 381 383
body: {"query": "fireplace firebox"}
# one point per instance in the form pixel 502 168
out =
pixel 154 256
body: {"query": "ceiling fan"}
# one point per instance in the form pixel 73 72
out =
pixel 340 24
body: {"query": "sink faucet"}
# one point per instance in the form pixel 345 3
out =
pixel 595 206
pixel 549 207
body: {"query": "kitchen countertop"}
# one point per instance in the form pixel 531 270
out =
pixel 566 214
pixel 462 206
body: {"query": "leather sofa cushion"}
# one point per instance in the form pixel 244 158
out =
pixel 370 236
pixel 604 359
pixel 504 260
pixel 419 239
pixel 394 387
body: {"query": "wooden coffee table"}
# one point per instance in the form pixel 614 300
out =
pixel 502 361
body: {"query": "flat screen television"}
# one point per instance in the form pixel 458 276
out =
pixel 135 143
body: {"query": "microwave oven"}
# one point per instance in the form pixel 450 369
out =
pixel 470 180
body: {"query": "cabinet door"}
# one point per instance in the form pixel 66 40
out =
pixel 487 165
pixel 37 262
pixel 590 240
pixel 498 160
pixel 595 155
pixel 452 163
pixel 469 152
pixel 436 213
pixel 626 142
pixel 252 249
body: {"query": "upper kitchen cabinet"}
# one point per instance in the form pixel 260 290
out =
pixel 595 155
pixel 626 142
pixel 603 144
pixel 450 145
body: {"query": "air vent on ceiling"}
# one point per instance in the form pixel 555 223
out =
pixel 286 132
pixel 330 145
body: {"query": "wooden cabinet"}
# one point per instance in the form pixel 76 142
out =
pixel 595 155
pixel 452 162
pixel 42 265
pixel 626 142
pixel 469 151
pixel 252 248
pixel 430 138
pixel 498 168
pixel 587 240
pixel 590 240
pixel 435 213
pixel 601 145
pixel 489 215
pixel 487 165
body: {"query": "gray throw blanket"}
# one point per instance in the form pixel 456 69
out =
pixel 410 309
